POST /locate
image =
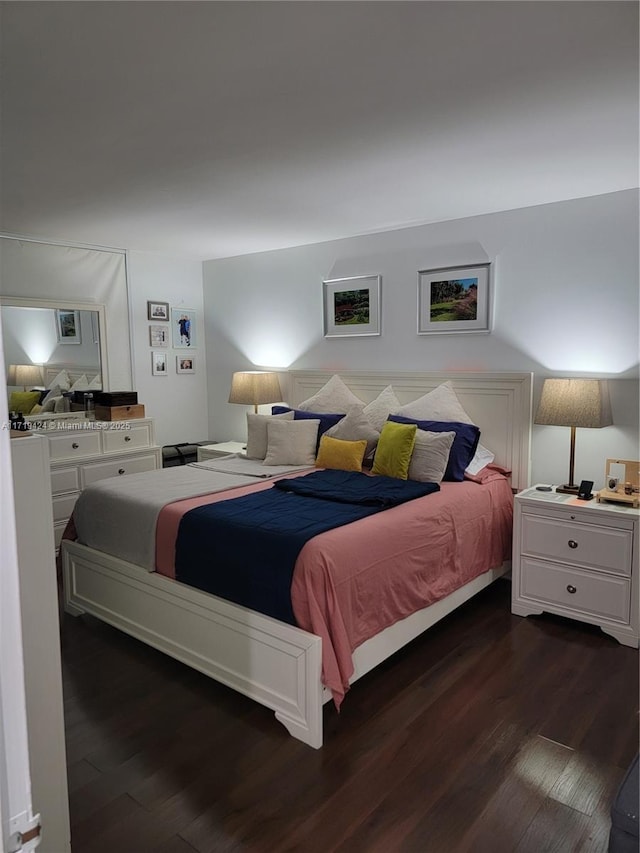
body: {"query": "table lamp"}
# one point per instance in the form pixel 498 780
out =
pixel 574 403
pixel 25 375
pixel 255 387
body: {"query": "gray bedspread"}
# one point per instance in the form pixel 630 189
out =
pixel 118 515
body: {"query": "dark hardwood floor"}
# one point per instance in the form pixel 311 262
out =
pixel 490 733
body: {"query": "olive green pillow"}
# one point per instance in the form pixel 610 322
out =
pixel 393 454
pixel 23 401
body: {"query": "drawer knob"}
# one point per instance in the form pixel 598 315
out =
pixel 121 471
pixel 572 543
pixel 75 445
pixel 127 438
pixel 571 589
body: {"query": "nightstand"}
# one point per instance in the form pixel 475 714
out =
pixel 224 448
pixel 577 559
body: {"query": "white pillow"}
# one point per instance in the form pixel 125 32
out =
pixel 291 442
pixel 354 427
pixel 96 383
pixel 49 404
pixel 62 404
pixel 441 404
pixel 62 380
pixel 333 397
pixel 81 383
pixel 378 410
pixel 483 456
pixel 430 456
pixel 257 433
pixel 56 391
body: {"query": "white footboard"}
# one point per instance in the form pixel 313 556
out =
pixel 276 664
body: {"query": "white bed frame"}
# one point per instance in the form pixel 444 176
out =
pixel 274 663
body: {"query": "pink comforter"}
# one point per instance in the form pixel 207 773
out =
pixel 352 582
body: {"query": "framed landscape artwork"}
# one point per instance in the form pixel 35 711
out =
pixel 68 327
pixel 352 306
pixel 454 299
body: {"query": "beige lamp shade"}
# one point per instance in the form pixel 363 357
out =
pixel 255 387
pixel 574 403
pixel 24 374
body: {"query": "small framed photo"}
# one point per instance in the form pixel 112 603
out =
pixel 159 336
pixel 158 311
pixel 352 306
pixel 68 326
pixel 456 299
pixel 185 364
pixel 159 363
pixel 183 325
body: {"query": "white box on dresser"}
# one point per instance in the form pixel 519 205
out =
pixel 577 559
pixel 84 451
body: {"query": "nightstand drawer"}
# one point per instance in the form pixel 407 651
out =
pixel 563 589
pixel 132 438
pixel 100 470
pixel 590 545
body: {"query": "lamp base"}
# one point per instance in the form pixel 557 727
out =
pixel 568 489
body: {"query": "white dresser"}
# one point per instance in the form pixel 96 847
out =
pixel 578 559
pixel 84 451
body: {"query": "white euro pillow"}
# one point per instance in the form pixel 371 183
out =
pixel 355 426
pixel 81 383
pixel 441 404
pixel 62 381
pixel 333 397
pixel 378 410
pixel 257 433
pixel 291 442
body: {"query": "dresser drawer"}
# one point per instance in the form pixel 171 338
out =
pixel 75 445
pixel 65 480
pixel 591 545
pixel 135 436
pixel 561 589
pixel 63 506
pixel 94 471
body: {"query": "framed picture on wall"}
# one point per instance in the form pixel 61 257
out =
pixel 185 364
pixel 159 336
pixel 157 310
pixel 454 299
pixel 183 326
pixel 68 326
pixel 352 306
pixel 159 363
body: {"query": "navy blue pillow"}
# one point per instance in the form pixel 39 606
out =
pixel 464 444
pixel 326 421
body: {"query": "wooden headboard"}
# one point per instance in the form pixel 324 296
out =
pixel 499 403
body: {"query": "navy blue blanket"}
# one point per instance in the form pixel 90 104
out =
pixel 244 549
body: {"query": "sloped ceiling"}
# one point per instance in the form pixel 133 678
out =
pixel 212 129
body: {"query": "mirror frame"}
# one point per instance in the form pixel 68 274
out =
pixel 67 305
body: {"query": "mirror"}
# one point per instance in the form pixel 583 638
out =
pixel 68 279
pixel 58 337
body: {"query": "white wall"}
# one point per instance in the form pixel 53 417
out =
pixel 565 296
pixel 177 402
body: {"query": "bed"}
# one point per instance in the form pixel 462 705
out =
pixel 278 664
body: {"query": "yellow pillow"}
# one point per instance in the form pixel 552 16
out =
pixel 23 401
pixel 343 455
pixel 394 450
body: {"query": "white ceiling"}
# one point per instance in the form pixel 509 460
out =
pixel 213 129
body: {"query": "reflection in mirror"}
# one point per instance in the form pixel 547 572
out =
pixel 49 336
